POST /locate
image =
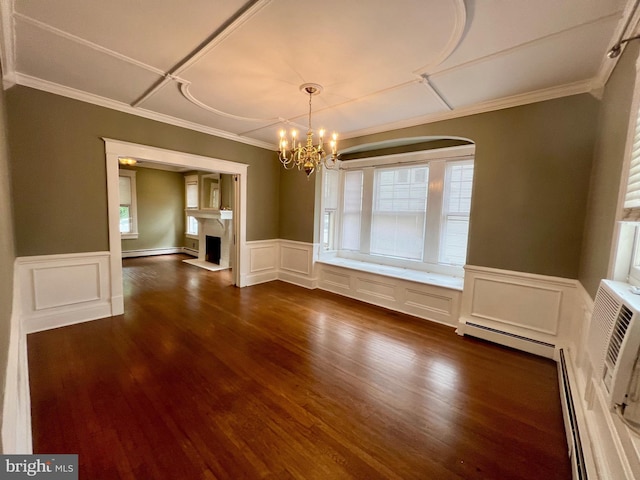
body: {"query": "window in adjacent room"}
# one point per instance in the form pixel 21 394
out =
pixel 411 213
pixel 128 205
pixel 191 203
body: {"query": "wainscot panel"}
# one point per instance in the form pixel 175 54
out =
pixel 520 310
pixel 58 290
pixel 263 262
pixel 431 302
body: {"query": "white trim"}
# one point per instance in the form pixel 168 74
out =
pixel 190 251
pixel 58 290
pixel 460 152
pixel 16 410
pixel 457 32
pixel 117 148
pixel 57 89
pixel 583 86
pixel 610 448
pixel 7 46
pixel 86 43
pixel 147 252
pixel 526 311
pixel 434 303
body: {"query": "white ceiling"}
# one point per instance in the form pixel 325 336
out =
pixel 233 68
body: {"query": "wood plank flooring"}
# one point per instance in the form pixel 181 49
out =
pixel 203 380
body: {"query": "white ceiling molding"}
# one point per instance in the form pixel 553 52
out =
pixel 7 48
pixel 86 43
pixel 490 106
pixel 140 112
pixel 456 36
pixel 608 64
pixel 184 89
pixel 501 53
pixel 424 80
pixel 234 71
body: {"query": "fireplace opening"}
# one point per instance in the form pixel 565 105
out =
pixel 213 249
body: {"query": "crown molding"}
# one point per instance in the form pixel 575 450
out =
pixel 567 90
pixel 57 89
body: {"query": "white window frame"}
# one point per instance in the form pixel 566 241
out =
pixel 437 161
pixel 624 259
pixel 133 207
pixel 191 180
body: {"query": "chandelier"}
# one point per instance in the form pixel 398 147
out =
pixel 306 156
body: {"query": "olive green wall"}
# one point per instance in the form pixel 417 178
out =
pixel 7 253
pixel 297 205
pixel 59 178
pixel 160 206
pixel 608 160
pixel 531 181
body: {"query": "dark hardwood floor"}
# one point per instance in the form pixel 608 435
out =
pixel 203 380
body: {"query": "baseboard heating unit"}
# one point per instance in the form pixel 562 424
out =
pixel 576 454
pixel 508 339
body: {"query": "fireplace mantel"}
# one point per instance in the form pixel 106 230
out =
pixel 210 214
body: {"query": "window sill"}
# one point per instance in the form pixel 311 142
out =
pixel 428 278
pixel 192 236
pixel 128 236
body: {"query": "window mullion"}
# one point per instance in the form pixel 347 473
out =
pixel 434 211
pixel 367 208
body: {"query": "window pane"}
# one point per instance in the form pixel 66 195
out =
pixel 192 225
pixel 331 178
pixel 125 218
pixel 399 212
pixel 456 208
pixel 125 190
pixel 352 210
pixel 328 222
pixel 192 195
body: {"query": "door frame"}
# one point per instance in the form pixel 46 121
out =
pixel 114 149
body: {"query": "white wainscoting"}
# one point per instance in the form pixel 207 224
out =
pixel 431 302
pixel 296 263
pixel 58 290
pixel 284 260
pixel 611 450
pixel 521 310
pixel 263 262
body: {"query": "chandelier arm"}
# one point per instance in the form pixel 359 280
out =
pixel 305 155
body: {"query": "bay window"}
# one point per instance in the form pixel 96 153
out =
pixel 412 214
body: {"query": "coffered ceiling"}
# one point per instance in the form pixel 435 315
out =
pixel 233 68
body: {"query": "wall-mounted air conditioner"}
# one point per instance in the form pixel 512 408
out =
pixel 613 345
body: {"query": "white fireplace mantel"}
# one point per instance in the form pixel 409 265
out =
pixel 209 213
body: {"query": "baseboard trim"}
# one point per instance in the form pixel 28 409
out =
pixel 64 319
pixel 301 281
pixel 148 252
